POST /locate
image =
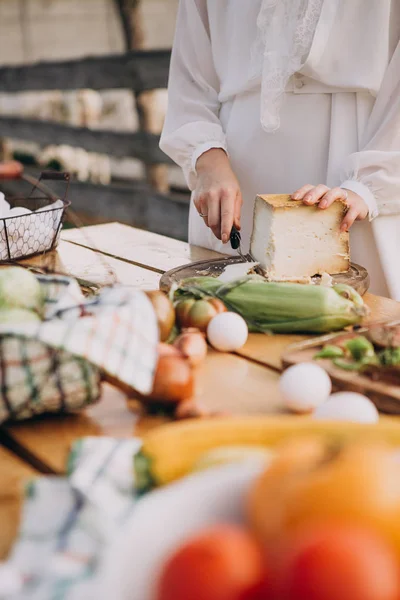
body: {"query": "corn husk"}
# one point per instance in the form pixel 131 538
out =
pixel 281 307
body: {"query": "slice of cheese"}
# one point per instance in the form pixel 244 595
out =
pixel 292 240
pixel 236 271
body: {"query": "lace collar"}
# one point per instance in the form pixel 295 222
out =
pixel 286 31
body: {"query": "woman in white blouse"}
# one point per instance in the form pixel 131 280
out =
pixel 290 96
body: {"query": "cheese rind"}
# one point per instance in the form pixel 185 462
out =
pixel 292 240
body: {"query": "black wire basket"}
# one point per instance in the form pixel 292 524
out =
pixel 38 229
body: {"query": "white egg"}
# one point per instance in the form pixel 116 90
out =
pixel 227 332
pixel 304 387
pixel 348 406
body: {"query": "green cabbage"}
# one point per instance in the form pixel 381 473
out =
pixel 20 289
pixel 14 316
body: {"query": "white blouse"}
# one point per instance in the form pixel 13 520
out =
pixel 217 55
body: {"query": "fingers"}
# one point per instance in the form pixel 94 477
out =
pixel 201 203
pixel 325 197
pixel 213 212
pixel 203 209
pixel 220 209
pixel 197 202
pixel 300 193
pixel 238 210
pixel 315 195
pixel 319 194
pixel 349 219
pixel 331 196
pixel 228 208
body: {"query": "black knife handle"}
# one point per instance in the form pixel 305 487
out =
pixel 235 238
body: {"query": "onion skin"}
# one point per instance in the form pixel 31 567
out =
pixel 164 311
pixel 190 409
pixel 197 314
pixel 201 314
pixel 182 310
pixel 168 350
pixel 173 381
pixel 218 305
pixel 192 344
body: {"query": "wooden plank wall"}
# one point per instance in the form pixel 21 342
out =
pixel 137 203
pixel 139 70
pixel 141 144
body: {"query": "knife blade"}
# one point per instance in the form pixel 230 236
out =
pixel 236 241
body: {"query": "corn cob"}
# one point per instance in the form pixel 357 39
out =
pixel 170 451
pixel 281 307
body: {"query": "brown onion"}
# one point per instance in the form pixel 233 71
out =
pixel 201 314
pixel 182 311
pixel 198 313
pixel 218 305
pixel 193 346
pixel 164 311
pixel 190 409
pixel 174 381
pixel 168 350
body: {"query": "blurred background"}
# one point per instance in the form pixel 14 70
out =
pixel 83 90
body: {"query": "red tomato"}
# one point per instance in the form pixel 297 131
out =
pixel 337 562
pixel 223 563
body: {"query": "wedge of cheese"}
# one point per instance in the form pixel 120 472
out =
pixel 293 240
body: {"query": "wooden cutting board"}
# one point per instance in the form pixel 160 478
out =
pixel 268 349
pixel 356 276
pixel 385 396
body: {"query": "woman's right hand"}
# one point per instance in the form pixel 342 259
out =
pixel 217 196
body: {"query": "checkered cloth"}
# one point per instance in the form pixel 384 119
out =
pixel 68 524
pixel 56 365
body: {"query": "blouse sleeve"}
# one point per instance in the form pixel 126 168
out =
pixel 192 125
pixel 374 172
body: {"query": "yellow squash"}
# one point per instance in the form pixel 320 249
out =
pixel 170 451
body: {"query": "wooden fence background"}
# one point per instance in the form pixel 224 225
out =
pixel 146 203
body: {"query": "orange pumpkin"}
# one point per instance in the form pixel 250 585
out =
pixel 311 483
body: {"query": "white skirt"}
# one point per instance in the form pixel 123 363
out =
pixel 318 131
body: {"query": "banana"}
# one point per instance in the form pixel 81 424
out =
pixel 171 451
pixel 232 454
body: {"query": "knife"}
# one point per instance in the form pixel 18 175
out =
pixel 236 241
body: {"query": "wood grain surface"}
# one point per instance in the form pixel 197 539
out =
pixel 225 383
pixel 49 439
pixel 14 474
pixel 238 384
pixel 385 396
pixel 268 349
pixel 149 250
pixel 86 264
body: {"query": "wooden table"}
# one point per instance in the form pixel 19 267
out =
pixel 242 383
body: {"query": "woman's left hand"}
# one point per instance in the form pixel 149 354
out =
pixel 324 197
